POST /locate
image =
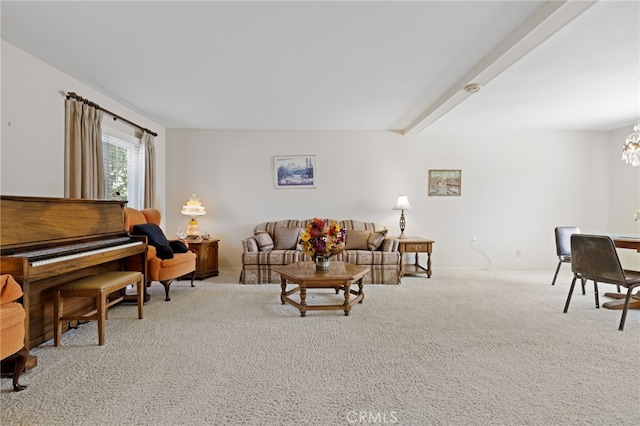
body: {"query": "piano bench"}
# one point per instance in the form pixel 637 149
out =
pixel 99 287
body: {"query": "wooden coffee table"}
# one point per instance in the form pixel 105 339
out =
pixel 340 276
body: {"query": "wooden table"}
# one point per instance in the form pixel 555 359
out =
pixel 415 245
pixel 625 242
pixel 628 242
pixel 340 276
pixel 206 258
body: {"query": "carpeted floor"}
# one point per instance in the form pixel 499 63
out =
pixel 466 347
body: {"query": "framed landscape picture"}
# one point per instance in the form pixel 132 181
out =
pixel 445 182
pixel 295 171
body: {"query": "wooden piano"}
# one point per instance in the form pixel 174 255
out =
pixel 45 242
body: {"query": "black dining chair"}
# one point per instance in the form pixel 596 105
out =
pixel 563 248
pixel 594 257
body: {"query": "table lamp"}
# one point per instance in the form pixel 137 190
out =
pixel 402 204
pixel 193 208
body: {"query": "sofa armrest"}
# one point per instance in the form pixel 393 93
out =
pixel 10 290
pixel 390 245
pixel 250 245
pixel 151 252
pixel 182 240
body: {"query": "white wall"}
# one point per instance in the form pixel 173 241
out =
pixel 32 125
pixel 515 187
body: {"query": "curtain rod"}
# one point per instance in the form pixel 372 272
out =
pixel 115 116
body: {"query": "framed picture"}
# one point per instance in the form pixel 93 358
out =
pixel 445 182
pixel 295 171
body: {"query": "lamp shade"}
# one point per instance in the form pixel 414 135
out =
pixel 402 203
pixel 193 210
pixel 193 207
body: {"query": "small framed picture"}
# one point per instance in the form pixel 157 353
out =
pixel 445 182
pixel 295 171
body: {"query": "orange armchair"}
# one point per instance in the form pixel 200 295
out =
pixel 12 317
pixel 163 270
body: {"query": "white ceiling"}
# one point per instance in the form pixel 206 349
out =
pixel 343 64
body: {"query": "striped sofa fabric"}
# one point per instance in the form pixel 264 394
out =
pixel 271 245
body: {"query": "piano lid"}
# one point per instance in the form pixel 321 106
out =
pixel 29 221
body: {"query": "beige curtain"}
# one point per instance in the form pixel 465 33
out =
pixel 83 166
pixel 149 170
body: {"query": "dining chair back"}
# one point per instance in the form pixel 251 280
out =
pixel 563 248
pixel 594 257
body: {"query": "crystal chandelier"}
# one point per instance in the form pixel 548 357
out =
pixel 631 149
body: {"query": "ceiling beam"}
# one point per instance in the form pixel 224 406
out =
pixel 550 18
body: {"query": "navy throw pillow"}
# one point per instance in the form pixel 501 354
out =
pixel 156 238
pixel 178 246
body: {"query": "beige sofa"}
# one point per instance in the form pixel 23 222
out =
pixel 277 243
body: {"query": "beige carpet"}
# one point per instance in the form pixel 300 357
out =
pixel 466 347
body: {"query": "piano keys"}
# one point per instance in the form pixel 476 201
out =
pixel 45 242
pixel 74 254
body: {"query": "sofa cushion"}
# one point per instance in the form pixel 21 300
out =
pixel 358 224
pixel 156 238
pixel 272 257
pixel 376 239
pixel 265 242
pixel 357 239
pixel 286 238
pixel 370 258
pixel 270 227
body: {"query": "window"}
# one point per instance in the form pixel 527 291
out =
pixel 123 167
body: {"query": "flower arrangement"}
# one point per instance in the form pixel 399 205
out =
pixel 322 240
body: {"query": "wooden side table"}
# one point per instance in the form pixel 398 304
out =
pixel 206 257
pixel 415 245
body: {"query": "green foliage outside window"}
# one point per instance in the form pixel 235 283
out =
pixel 115 171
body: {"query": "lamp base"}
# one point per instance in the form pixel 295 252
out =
pixel 402 237
pixel 403 223
pixel 192 230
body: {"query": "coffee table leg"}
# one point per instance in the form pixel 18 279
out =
pixel 361 289
pixel 303 301
pixel 347 294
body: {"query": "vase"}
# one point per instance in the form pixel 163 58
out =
pixel 322 263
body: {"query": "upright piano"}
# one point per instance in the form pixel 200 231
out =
pixel 45 242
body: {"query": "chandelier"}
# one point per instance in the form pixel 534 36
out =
pixel 631 149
